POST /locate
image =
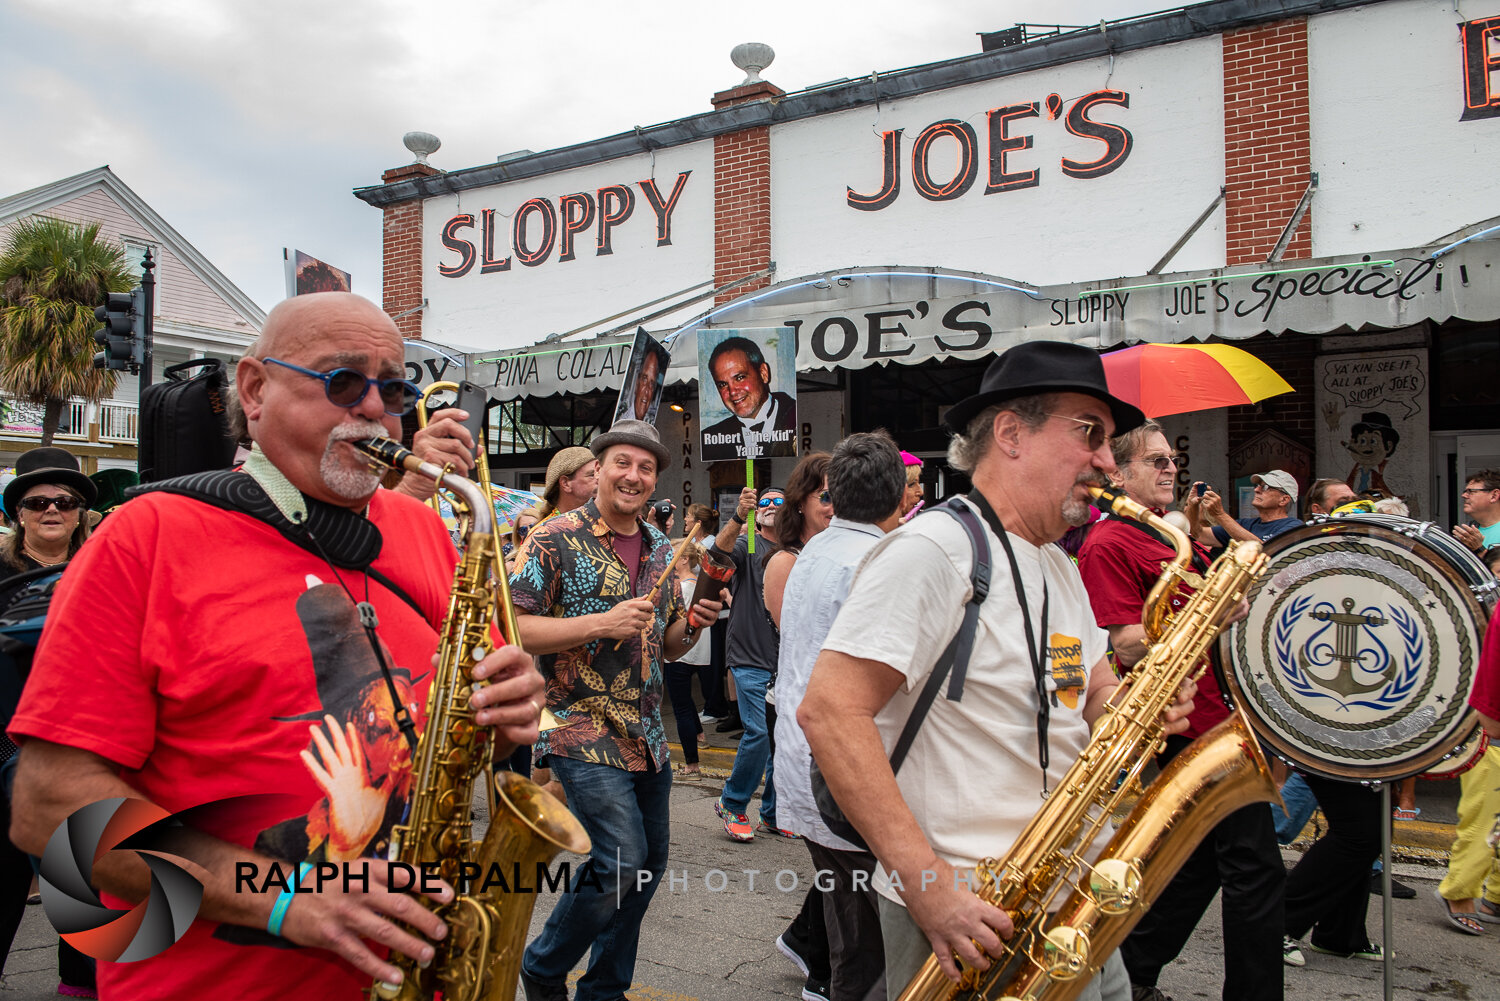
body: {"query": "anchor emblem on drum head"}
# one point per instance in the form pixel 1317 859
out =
pixel 1346 651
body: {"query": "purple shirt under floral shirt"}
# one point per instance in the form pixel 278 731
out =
pixel 611 713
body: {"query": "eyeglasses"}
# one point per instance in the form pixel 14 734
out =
pixel 62 502
pixel 770 502
pixel 346 387
pixel 1476 490
pixel 826 497
pixel 1094 431
pixel 1161 462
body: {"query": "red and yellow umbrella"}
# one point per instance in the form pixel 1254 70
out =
pixel 1165 379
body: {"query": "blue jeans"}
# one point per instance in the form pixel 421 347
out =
pixel 1300 803
pixel 753 759
pixel 626 816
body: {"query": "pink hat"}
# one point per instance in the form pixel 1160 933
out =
pixel 910 460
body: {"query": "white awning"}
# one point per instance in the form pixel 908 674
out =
pixel 857 317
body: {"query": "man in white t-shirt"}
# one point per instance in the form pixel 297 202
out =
pixel 1032 440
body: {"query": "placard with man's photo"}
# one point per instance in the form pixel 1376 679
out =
pixel 747 393
pixel 640 392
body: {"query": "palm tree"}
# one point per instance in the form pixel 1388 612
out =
pixel 52 275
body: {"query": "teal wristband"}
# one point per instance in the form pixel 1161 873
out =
pixel 278 909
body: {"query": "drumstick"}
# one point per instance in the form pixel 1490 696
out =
pixel 656 590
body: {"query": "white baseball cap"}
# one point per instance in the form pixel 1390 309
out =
pixel 1279 479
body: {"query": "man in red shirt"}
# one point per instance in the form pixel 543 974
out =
pixel 1120 561
pixel 196 654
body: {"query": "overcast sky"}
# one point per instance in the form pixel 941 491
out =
pixel 248 124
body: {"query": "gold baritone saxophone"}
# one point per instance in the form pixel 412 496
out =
pixel 1069 914
pixel 480 958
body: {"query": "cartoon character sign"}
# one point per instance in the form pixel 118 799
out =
pixel 1371 442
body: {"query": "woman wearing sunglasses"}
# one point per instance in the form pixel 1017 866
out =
pixel 48 506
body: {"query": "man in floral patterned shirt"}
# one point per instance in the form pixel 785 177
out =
pixel 585 607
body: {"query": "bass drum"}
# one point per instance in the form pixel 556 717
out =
pixel 1358 655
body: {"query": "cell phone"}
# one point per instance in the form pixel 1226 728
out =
pixel 1200 489
pixel 474 400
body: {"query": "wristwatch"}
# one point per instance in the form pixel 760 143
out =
pixel 737 519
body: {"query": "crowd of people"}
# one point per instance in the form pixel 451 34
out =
pixel 912 679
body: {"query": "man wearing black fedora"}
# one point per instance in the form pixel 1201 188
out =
pixel 588 608
pixel 259 643
pixel 1032 440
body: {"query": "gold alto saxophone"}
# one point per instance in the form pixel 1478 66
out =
pixel 480 958
pixel 1070 914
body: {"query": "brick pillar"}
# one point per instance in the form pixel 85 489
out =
pixel 742 196
pixel 402 251
pixel 1267 164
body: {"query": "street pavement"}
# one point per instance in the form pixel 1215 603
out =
pixel 710 936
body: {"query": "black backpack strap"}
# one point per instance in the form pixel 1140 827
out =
pixel 955 657
pixel 345 539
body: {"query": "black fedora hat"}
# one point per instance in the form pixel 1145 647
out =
pixel 48 465
pixel 1043 367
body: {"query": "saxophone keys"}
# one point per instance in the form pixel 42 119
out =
pixel 1115 885
pixel 1065 952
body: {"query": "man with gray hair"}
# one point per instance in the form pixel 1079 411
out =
pixel 866 481
pixel 1033 440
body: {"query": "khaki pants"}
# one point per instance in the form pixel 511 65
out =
pixel 1472 867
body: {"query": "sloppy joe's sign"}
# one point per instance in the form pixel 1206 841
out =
pixel 866 321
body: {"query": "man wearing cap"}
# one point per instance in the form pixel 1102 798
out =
pixel 202 653
pixel 1032 440
pixel 1275 497
pixel 585 603
pixel 1120 561
pixel 571 478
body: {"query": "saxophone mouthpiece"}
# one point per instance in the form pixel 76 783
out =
pixel 1114 500
pixel 388 453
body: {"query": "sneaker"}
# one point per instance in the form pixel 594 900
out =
pixel 1369 951
pixel 706 719
pixel 766 827
pixel 538 991
pixel 1139 992
pixel 815 990
pixel 795 948
pixel 1291 952
pixel 736 825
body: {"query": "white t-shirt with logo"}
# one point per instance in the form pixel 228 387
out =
pixel 972 777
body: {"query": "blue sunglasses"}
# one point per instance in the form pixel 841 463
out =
pixel 346 387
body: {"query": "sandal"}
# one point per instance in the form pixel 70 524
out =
pixel 1405 814
pixel 1466 923
pixel 1486 911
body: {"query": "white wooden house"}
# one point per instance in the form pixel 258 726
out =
pixel 199 313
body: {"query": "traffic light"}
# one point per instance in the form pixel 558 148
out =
pixel 123 335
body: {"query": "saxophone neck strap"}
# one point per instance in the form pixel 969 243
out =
pixel 1199 564
pixel 343 538
pixel 1037 652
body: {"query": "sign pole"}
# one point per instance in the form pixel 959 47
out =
pixel 750 482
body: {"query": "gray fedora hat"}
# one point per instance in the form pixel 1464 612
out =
pixel 637 433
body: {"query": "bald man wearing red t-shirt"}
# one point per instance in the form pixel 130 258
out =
pixel 196 654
